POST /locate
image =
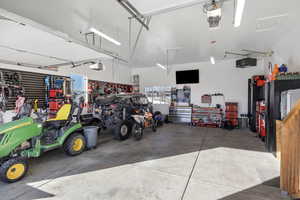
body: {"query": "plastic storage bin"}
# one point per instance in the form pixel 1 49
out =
pixel 91 135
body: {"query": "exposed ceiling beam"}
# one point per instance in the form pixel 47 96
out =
pixel 250 53
pixel 178 7
pixel 174 8
pixel 133 12
pixel 264 53
pixel 138 37
pixel 236 54
pixel 77 63
pixel 8 62
pixel 4 18
pixel 34 53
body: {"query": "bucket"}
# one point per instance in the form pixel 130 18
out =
pixel 91 135
pixel 243 123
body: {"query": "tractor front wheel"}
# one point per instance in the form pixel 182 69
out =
pixel 13 170
pixel 75 144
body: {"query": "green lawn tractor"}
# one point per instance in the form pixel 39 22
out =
pixel 29 138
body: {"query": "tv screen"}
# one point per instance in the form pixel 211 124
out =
pixel 187 77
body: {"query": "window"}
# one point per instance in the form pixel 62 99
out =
pixel 159 94
pixel 141 100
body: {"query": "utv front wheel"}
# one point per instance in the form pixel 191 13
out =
pixel 137 131
pixel 122 131
pixel 75 144
pixel 13 170
pixel 154 125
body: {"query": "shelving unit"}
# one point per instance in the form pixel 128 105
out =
pixel 232 113
pixel 273 113
pixel 207 117
pixel 260 119
pixel 256 93
pixel 180 114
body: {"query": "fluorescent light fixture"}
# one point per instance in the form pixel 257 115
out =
pixel 240 5
pixel 105 36
pixel 212 60
pixel 161 66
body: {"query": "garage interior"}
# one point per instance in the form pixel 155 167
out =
pixel 154 100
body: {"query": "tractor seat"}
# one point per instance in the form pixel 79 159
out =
pixel 62 117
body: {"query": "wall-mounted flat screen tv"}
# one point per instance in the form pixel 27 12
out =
pixel 187 77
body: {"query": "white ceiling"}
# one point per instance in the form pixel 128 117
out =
pixel 186 28
pixel 146 6
pixel 39 46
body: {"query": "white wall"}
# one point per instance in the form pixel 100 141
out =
pixel 220 78
pixel 114 72
pixel 287 50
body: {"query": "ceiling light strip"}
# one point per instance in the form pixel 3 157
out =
pixel 161 66
pixel 103 35
pixel 212 60
pixel 240 5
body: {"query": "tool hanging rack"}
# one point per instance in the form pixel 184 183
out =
pixel 30 83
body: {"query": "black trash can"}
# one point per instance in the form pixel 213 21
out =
pixel 91 135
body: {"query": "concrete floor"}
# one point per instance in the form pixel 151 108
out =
pixel 178 162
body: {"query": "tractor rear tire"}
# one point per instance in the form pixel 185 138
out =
pixel 122 130
pixel 75 144
pixel 13 170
